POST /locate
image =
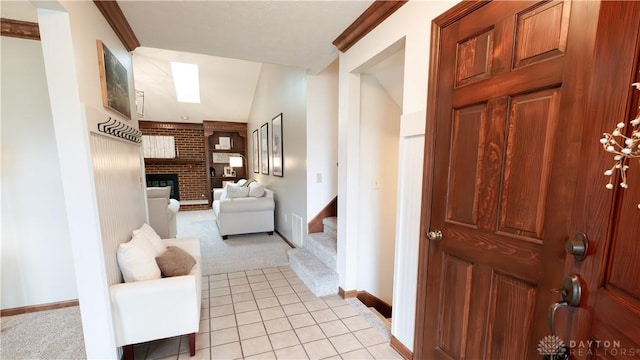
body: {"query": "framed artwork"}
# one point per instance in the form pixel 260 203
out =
pixel 276 144
pixel 256 151
pixel 114 82
pixel 264 148
pixel 229 172
pixel 222 157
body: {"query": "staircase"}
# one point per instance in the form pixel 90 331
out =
pixel 315 262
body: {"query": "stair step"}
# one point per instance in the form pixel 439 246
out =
pixel 331 226
pixel 324 247
pixel 320 279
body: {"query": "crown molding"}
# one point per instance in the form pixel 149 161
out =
pixel 118 22
pixel 367 21
pixel 20 29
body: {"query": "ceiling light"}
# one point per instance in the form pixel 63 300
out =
pixel 185 78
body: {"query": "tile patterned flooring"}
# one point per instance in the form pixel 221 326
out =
pixel 270 314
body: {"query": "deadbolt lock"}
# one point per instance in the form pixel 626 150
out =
pixel 578 246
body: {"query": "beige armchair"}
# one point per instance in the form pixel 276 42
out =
pixel 162 211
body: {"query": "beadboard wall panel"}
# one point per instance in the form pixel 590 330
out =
pixel 407 239
pixel 118 177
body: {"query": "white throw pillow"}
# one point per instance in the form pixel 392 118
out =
pixel 237 191
pixel 137 260
pixel 147 232
pixel 256 189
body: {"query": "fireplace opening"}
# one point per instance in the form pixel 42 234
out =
pixel 162 180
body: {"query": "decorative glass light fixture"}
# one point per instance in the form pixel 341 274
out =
pixel 623 149
pixel 140 103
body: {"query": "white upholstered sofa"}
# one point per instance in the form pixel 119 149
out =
pixel 240 213
pixel 162 211
pixel 150 306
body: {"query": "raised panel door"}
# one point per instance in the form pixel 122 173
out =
pixel 503 174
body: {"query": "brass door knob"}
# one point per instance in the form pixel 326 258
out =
pixel 434 235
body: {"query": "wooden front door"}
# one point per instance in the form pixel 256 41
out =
pixel 507 117
pixel 607 323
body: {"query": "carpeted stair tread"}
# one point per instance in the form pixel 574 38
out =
pixel 320 279
pixel 331 226
pixel 324 247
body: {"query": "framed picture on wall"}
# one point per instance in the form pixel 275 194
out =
pixel 276 144
pixel 256 151
pixel 264 148
pixel 229 172
pixel 114 82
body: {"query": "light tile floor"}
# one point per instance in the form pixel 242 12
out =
pixel 270 314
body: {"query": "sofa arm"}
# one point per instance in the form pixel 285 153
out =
pixel 188 244
pixel 217 193
pixel 155 309
pixel 174 206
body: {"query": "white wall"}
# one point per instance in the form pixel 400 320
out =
pixel 282 89
pixel 121 204
pixel 322 139
pixel 37 266
pixel 69 31
pixel 413 23
pixel 379 138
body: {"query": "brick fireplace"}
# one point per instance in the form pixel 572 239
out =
pixel 189 164
pixel 162 180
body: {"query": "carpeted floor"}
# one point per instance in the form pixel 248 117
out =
pixel 238 252
pixel 52 334
pixel 57 334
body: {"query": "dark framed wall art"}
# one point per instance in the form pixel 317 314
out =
pixel 276 144
pixel 256 151
pixel 114 82
pixel 264 148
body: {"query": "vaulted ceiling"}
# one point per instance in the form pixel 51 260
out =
pixel 294 33
pixel 229 40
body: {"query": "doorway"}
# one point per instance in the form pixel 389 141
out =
pixel 381 93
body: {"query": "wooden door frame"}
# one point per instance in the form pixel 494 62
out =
pixel 437 25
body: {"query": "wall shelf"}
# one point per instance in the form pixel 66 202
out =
pixel 173 161
pixel 234 134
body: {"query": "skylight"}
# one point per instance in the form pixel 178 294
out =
pixel 185 78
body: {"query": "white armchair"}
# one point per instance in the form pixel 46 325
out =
pixel 162 211
pixel 160 308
